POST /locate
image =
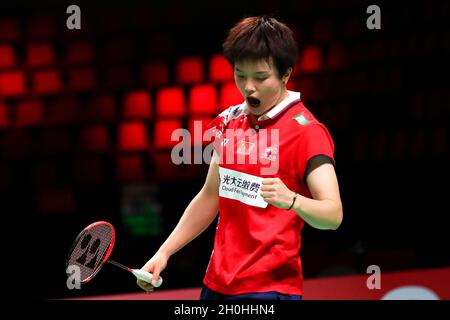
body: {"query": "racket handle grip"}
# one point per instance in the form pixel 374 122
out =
pixel 146 276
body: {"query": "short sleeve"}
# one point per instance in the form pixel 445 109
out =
pixel 216 128
pixel 315 140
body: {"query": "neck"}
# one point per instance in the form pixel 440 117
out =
pixel 283 96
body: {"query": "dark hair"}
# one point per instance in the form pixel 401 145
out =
pixel 262 37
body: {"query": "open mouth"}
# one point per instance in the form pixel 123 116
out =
pixel 253 102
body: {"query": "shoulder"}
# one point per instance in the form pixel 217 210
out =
pixel 301 118
pixel 232 112
pixel 306 124
pixel 225 117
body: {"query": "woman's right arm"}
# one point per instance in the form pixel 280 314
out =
pixel 198 215
pixel 196 218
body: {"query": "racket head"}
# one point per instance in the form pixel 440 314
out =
pixel 91 249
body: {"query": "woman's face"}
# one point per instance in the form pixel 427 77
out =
pixel 259 83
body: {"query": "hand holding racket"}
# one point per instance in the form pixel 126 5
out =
pixel 92 248
pixel 154 266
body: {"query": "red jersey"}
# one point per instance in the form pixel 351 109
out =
pixel 256 246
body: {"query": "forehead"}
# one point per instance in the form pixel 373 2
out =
pixel 255 65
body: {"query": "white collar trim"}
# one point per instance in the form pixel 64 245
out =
pixel 279 107
pixel 283 104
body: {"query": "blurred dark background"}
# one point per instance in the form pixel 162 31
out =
pixel 86 117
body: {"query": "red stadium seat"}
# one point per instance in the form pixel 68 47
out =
pixel 194 126
pixel 7 57
pixel 161 44
pixel 335 57
pixel 45 173
pixel 46 82
pixel 56 201
pixel 42 27
pixel 94 138
pixel 118 49
pixel 12 83
pixel 101 107
pixel 29 113
pixel 137 104
pixel 164 168
pixel 10 28
pixel 296 71
pixel 82 79
pixel 89 170
pixel 310 61
pixel 17 143
pixel 351 28
pixel 119 77
pixel 63 111
pixel 80 52
pixel 56 141
pixel 229 95
pixel 203 99
pixel 130 168
pixel 109 22
pixel 5 119
pixel 307 87
pixel 220 69
pixel 155 74
pixel 133 136
pixel 322 31
pixel 40 54
pixel 293 85
pixel 163 132
pixel 190 70
pixel 170 102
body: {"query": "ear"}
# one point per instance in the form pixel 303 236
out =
pixel 287 75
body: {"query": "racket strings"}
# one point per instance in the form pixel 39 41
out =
pixel 90 248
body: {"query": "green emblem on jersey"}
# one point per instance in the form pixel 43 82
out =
pixel 301 119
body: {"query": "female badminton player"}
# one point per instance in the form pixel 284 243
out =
pixel 284 179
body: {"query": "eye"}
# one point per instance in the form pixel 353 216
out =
pixel 240 76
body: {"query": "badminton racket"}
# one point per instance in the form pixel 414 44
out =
pixel 91 250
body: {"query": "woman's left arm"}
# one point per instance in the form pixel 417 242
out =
pixel 324 210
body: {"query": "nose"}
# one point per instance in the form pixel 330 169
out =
pixel 249 87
